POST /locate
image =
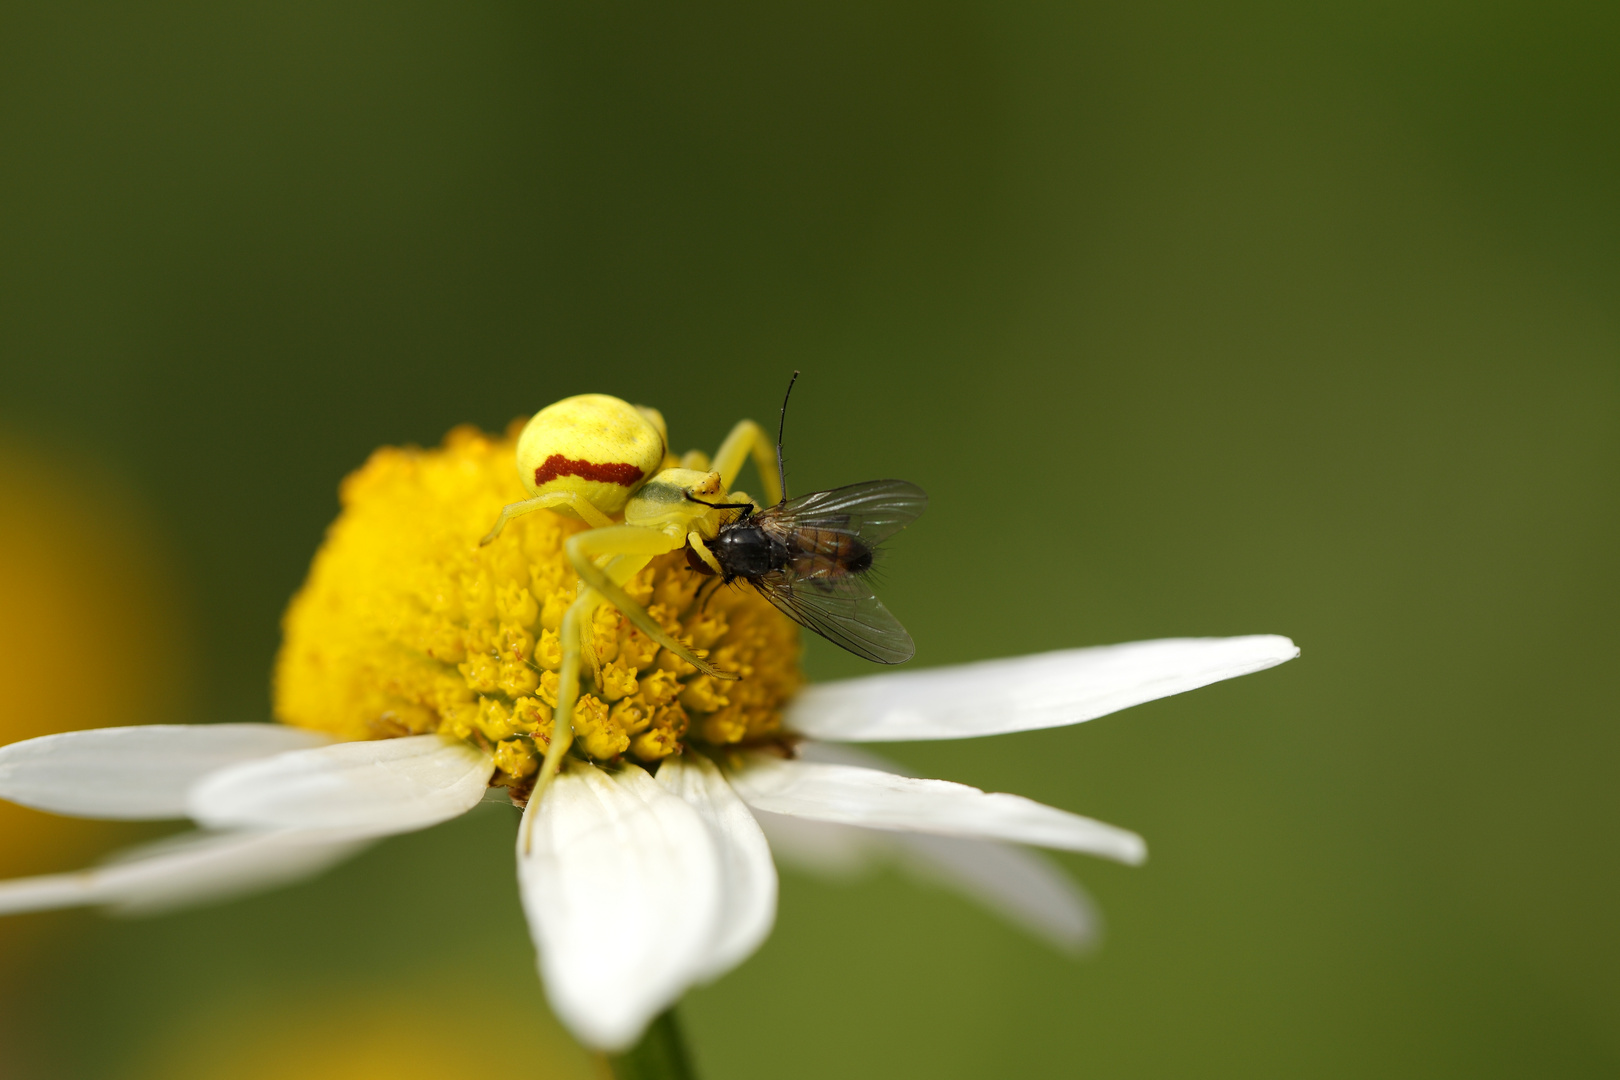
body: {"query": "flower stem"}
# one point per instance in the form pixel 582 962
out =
pixel 660 1055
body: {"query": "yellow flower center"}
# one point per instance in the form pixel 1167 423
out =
pixel 407 626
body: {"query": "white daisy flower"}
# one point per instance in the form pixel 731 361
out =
pixel 414 677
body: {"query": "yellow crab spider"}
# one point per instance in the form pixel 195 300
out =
pixel 593 457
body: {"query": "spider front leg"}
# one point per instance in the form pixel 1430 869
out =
pixel 573 500
pixel 745 439
pixel 562 724
pixel 633 546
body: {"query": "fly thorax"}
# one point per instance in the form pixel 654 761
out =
pixel 746 550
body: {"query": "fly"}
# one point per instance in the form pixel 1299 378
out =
pixel 811 556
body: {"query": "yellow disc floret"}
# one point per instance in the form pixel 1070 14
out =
pixel 407 626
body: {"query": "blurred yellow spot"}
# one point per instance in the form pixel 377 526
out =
pixel 90 635
pixel 406 625
pixel 371 1032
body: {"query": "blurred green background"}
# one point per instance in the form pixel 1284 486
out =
pixel 1192 319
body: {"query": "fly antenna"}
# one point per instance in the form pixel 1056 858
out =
pixel 781 469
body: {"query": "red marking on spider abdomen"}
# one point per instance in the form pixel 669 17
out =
pixel 613 472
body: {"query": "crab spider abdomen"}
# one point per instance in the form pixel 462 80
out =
pixel 593 445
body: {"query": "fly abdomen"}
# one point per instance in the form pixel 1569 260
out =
pixel 827 552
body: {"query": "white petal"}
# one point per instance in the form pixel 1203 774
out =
pixel 879 800
pixel 994 697
pixel 823 847
pixel 136 773
pixel 747 874
pixel 1022 886
pixel 190 869
pixel 45 893
pixel 838 754
pixel 387 786
pixel 621 884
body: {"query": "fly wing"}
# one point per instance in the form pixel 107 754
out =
pixel 874 510
pixel 841 609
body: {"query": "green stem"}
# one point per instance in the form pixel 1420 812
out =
pixel 660 1055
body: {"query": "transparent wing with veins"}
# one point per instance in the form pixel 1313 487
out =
pixel 842 610
pixel 835 602
pixel 873 511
